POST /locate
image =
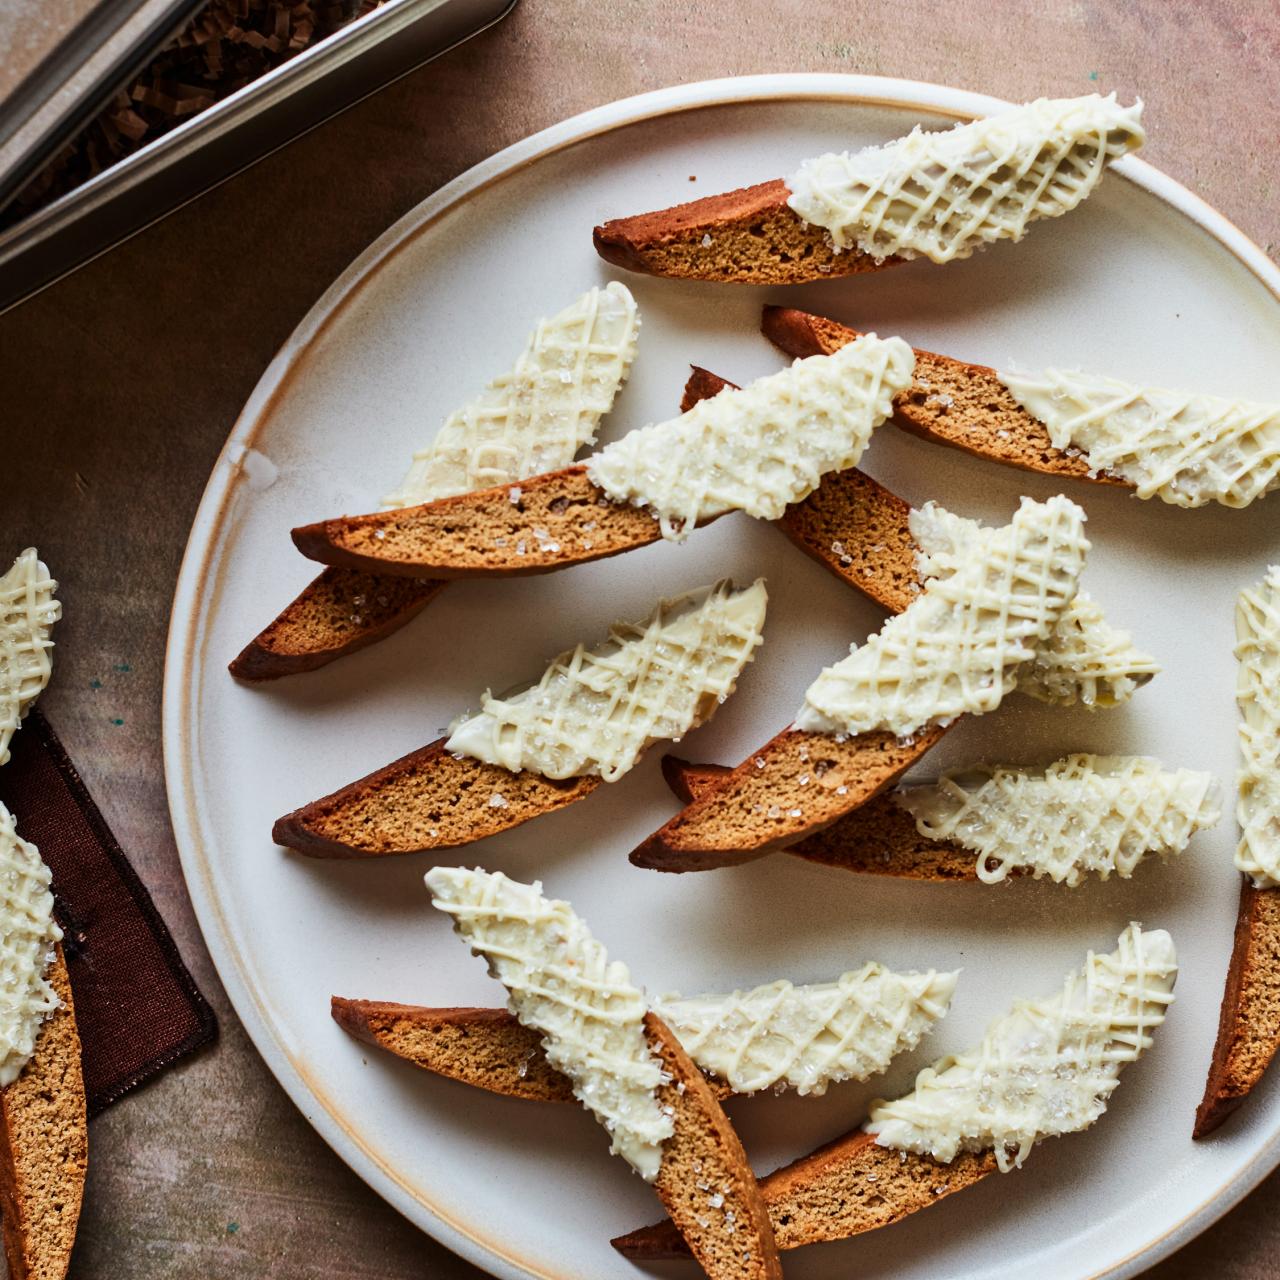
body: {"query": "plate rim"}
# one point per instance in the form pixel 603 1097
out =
pixel 184 648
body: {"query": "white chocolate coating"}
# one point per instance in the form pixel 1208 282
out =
pixel 1183 448
pixel 1085 659
pixel 28 611
pixel 538 416
pixel 761 447
pixel 1084 815
pixel 28 933
pixel 941 195
pixel 1046 1068
pixel 806 1038
pixel 563 985
pixel 1258 697
pixel 595 711
pixel 958 647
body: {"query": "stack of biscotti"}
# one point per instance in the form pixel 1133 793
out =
pixel 912 1153
pixel 43 1127
pixel 621 1061
pixel 1249 1025
pixel 537 416
pixel 938 196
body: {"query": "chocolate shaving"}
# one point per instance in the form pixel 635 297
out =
pixel 227 45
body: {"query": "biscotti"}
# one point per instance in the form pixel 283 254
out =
pixel 793 787
pixel 428 799
pixel 842 1189
pixel 590 718
pixel 342 611
pixel 749 236
pixel 753 449
pixel 949 401
pixel 938 195
pixel 44 1146
pixel 1249 1024
pixel 29 609
pixel 770 1037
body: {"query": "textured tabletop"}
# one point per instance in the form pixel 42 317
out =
pixel 122 382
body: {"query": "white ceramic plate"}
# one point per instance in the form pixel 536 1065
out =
pixel 1144 281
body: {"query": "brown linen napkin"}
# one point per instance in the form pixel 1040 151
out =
pixel 137 1008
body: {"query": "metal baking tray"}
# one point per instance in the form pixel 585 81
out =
pixel 231 135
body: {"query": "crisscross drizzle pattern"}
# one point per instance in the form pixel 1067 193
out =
pixel 28 611
pixel 1085 814
pixel 808 1037
pixel 957 648
pixel 563 984
pixel 1258 696
pixel 595 711
pixel 27 936
pixel 942 195
pixel 761 447
pixel 1047 1067
pixel 1183 448
pixel 538 416
pixel 1085 659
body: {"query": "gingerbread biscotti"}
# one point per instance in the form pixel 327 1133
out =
pixel 590 718
pixel 1184 448
pixel 772 1037
pixel 938 195
pixel 754 449
pixel 1249 1024
pixel 1084 816
pixel 43 1129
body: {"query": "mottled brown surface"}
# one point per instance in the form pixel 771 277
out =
pixel 429 799
pixel 122 382
pixel 1249 1024
pixel 846 1187
pixel 485 1048
pixel 44 1145
pixel 544 523
pixel 795 785
pixel 949 401
pixel 878 838
pixel 749 236
pixel 340 612
pixel 733 1240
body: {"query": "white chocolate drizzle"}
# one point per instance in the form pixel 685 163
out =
pixel 28 933
pixel 958 647
pixel 1085 660
pixel 761 447
pixel 1184 448
pixel 562 984
pixel 538 416
pixel 1085 815
pixel 28 611
pixel 1258 697
pixel 595 711
pixel 1046 1068
pixel 941 195
pixel 808 1037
